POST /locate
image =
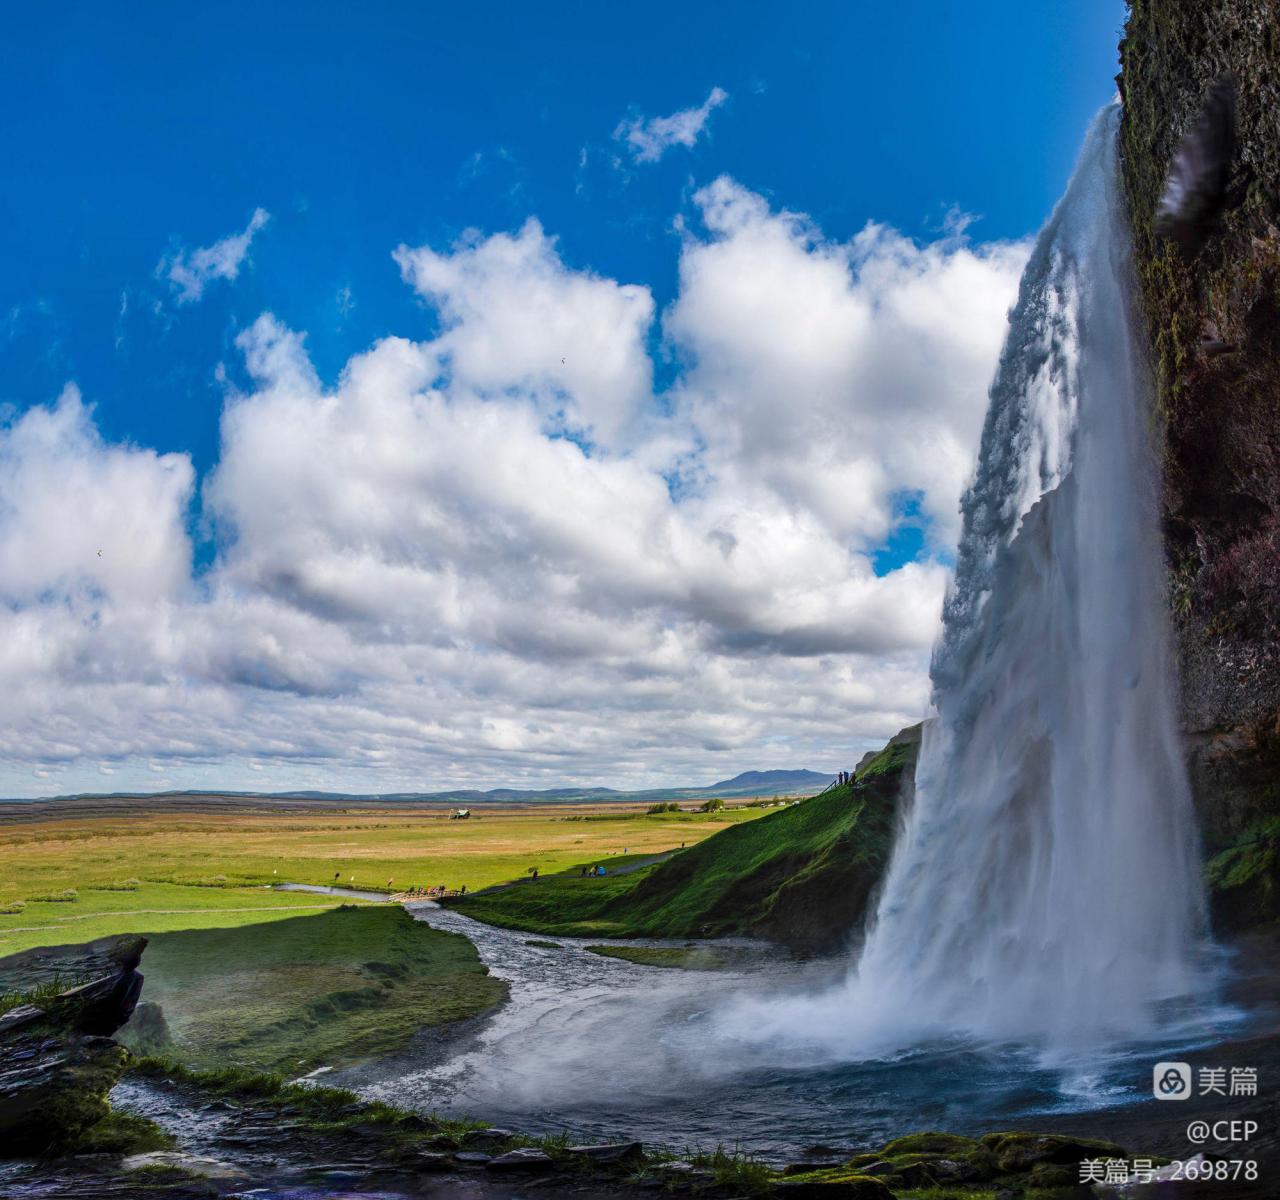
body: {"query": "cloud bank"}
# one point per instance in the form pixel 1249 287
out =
pixel 497 555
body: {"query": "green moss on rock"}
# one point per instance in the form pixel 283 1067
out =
pixel 1015 1152
pixel 832 1185
pixel 122 1133
pixel 930 1143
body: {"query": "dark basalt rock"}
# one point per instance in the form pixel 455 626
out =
pixel 53 1088
pixel 102 1006
pixel 57 1062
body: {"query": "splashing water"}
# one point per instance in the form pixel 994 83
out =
pixel 1045 887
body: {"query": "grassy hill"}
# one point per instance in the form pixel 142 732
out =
pixel 801 876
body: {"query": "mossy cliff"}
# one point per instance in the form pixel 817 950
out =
pixel 1214 322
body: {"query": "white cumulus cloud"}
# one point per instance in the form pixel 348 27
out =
pixel 515 318
pixel 496 554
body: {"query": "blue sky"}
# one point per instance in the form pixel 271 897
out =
pixel 134 131
pixel 134 137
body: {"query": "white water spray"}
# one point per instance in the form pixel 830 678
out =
pixel 1045 887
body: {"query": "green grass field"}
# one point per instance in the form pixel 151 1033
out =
pixel 152 908
pixel 154 872
pixel 291 995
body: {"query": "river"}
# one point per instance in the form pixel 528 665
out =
pixel 607 1049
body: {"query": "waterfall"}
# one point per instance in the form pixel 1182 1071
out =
pixel 1045 886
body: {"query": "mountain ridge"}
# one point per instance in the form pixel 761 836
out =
pixel 746 783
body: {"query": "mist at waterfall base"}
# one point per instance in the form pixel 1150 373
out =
pixel 1039 942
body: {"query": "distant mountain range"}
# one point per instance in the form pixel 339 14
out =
pixel 749 783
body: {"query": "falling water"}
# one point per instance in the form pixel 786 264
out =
pixel 1045 886
pixel 1046 882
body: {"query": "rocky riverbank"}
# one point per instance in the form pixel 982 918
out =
pixel 239 1136
pixel 83 1119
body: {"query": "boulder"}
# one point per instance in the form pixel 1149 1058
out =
pixel 431 1162
pixel 57 1062
pixel 101 1006
pixel 1047 1175
pixel 611 1154
pixel 527 1158
pixel 472 1158
pixel 487 1139
pixel 915 1175
pixel 15 1018
pixel 1016 1152
pixel 147 1031
pixel 953 1170
pixel 929 1143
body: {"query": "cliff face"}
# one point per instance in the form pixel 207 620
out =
pixel 1214 320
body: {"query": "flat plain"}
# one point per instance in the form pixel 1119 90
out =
pixel 156 868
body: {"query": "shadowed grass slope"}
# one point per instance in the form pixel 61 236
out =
pixel 802 876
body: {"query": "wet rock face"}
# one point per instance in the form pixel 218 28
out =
pixel 1201 165
pixel 1196 184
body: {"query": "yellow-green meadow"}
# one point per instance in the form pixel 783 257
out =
pixel 82 877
